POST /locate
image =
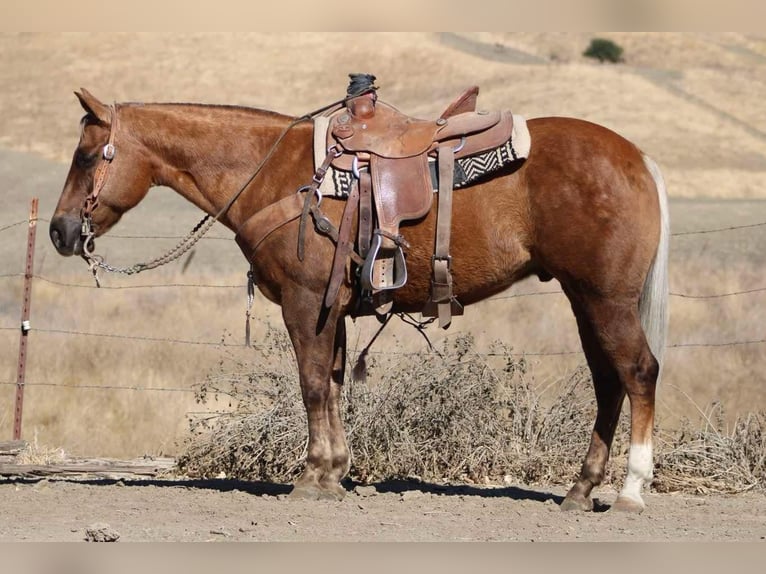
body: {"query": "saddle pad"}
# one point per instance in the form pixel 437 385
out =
pixel 337 182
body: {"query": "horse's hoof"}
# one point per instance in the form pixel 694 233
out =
pixel 305 492
pixel 335 493
pixel 582 503
pixel 625 504
pixel 317 492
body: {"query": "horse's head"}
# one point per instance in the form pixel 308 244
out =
pixel 109 175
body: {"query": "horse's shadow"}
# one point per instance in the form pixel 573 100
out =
pixel 401 486
pixel 260 488
pixel 518 493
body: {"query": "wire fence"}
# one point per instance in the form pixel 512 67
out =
pixel 52 331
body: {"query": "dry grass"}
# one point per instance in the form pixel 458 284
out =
pixel 38 454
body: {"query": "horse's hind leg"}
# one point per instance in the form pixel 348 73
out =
pixel 610 395
pixel 321 359
pixel 622 363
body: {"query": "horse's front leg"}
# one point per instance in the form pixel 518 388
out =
pixel 319 343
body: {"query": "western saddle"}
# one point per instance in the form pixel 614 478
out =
pixel 391 156
pixel 388 153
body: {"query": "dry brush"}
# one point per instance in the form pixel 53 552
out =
pixel 453 415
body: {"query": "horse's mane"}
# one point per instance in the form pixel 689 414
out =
pixel 231 107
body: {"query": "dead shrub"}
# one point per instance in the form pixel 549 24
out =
pixel 449 416
pixel 710 459
pixel 264 436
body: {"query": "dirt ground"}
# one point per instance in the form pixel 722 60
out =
pixel 184 511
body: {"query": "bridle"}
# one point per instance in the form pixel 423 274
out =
pixel 99 179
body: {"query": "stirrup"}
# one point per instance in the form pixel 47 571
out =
pixel 400 268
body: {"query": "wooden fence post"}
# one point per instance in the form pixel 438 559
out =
pixel 25 327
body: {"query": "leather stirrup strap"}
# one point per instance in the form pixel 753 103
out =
pixel 343 248
pixel 365 213
pixel 441 283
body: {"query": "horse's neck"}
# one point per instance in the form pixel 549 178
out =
pixel 207 153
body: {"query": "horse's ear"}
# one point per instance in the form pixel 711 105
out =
pixel 93 106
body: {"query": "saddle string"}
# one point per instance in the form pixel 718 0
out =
pixel 359 372
pixel 250 299
pixel 420 327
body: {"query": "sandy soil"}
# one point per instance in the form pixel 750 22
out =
pixel 58 510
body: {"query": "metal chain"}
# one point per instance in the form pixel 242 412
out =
pixel 96 262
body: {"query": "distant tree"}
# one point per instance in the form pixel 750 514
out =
pixel 603 50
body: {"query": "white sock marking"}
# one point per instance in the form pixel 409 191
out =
pixel 640 471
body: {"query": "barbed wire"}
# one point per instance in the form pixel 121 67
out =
pixel 175 237
pixel 243 285
pixel 12 225
pixel 394 353
pixel 707 345
pixel 220 238
pixel 100 387
pixel 135 338
pixel 144 286
pixel 117 235
pixel 718 295
pixel 717 230
pixel 136 388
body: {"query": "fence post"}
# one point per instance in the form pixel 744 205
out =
pixel 25 327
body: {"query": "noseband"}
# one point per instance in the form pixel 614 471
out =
pixel 99 179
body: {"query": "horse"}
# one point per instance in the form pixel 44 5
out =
pixel 587 207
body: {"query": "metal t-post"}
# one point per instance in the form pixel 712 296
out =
pixel 25 327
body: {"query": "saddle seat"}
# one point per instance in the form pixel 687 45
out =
pixel 382 130
pixel 366 127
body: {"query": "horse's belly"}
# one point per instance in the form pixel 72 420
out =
pixel 488 246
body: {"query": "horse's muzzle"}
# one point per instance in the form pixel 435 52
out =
pixel 65 232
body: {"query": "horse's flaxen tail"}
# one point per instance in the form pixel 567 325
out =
pixel 653 304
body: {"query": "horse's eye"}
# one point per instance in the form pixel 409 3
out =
pixel 83 159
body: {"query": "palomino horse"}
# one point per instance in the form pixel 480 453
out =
pixel 587 207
